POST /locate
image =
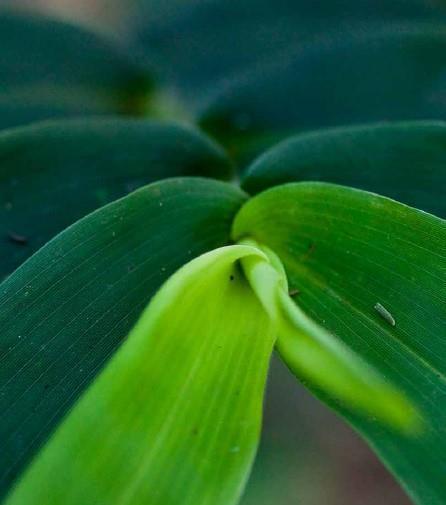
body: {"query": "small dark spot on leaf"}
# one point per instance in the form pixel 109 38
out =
pixel 231 278
pixel 17 239
pixel 293 292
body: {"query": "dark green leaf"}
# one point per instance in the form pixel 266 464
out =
pixel 346 251
pixel 52 69
pixel 175 417
pixel 54 173
pixel 377 73
pixel 188 39
pixel 405 161
pixel 64 312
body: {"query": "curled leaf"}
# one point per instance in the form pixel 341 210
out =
pixel 317 356
pixel 346 250
pixel 175 416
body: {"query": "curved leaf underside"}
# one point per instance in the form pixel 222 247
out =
pixel 67 309
pixel 188 39
pixel 405 161
pixel 175 417
pixel 347 251
pixel 53 173
pixel 375 73
pixel 52 69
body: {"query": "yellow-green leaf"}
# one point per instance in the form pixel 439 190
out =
pixel 175 417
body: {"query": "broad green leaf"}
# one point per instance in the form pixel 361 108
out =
pixel 67 309
pixel 188 39
pixel 405 161
pixel 374 73
pixel 175 417
pixel 318 356
pixel 51 69
pixel 346 250
pixel 53 173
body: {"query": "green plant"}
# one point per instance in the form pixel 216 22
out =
pixel 292 251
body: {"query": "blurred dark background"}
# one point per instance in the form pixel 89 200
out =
pixel 307 456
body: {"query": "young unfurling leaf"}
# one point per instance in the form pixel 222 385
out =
pixel 175 416
pixel 318 357
pixel 346 250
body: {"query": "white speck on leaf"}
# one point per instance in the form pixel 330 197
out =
pixel 385 314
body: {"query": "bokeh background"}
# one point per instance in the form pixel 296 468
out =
pixel 307 456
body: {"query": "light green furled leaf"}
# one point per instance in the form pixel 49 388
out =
pixel 53 69
pixel 319 357
pixel 405 161
pixel 54 173
pixel 175 417
pixel 347 251
pixel 68 308
pixel 370 73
